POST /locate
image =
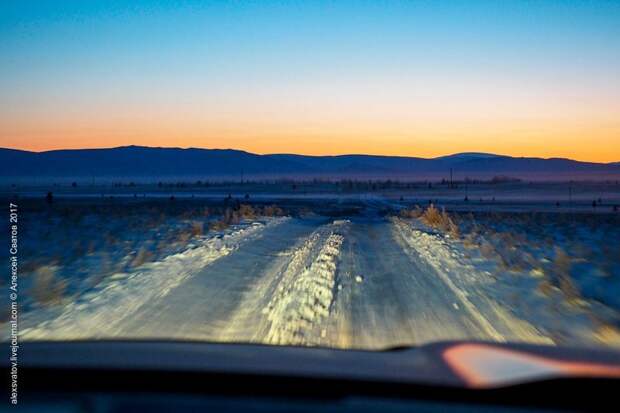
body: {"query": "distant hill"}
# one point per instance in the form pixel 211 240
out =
pixel 470 156
pixel 147 164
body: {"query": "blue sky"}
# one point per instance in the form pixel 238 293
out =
pixel 247 74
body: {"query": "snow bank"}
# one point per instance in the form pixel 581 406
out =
pixel 467 283
pixel 304 295
pixel 96 313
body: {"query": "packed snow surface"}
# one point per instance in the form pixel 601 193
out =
pixel 367 280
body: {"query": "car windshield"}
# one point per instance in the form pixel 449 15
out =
pixel 345 175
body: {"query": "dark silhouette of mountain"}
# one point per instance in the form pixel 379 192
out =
pixel 470 156
pixel 152 163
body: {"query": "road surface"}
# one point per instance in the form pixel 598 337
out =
pixel 360 282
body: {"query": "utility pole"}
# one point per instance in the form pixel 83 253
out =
pixel 451 186
pixel 466 189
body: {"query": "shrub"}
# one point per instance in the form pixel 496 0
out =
pixel 197 228
pixel 47 289
pixel 608 334
pixel 183 237
pixel 141 257
pixel 439 220
pixel 545 287
pixel 230 217
pixel 246 211
pixel 272 211
pixel 432 217
pixel 471 240
pixel 487 250
pixel 561 274
pixel 218 225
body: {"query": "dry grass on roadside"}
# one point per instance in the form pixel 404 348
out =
pixel 78 243
pixel 272 211
pixel 415 212
pixel 235 216
pixel 608 334
pixel 487 250
pixel 47 289
pixel 440 220
pixel 471 240
pixel 197 228
pixel 246 211
pixel 230 217
pixel 141 257
pixel 560 271
pixel 559 277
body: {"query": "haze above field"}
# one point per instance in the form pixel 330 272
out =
pixel 148 164
pixel 315 78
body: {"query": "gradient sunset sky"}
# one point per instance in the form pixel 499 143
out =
pixel 418 78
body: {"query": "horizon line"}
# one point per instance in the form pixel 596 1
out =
pixel 309 155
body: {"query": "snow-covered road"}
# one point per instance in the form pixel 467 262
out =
pixel 367 282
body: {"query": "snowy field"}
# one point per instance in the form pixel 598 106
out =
pixel 511 196
pixel 366 271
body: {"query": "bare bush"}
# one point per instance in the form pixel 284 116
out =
pixel 229 218
pixel 33 265
pixel 47 289
pixel 246 211
pixel 451 228
pixel 272 211
pixel 608 334
pixel 488 250
pixel 218 225
pixel 141 257
pixel 545 287
pixel 471 240
pixel 182 237
pixel 432 217
pixel 415 212
pixel 561 274
pixel 440 220
pixel 197 228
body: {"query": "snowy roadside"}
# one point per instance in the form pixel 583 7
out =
pixel 96 312
pixel 525 308
pixel 466 281
pixel 572 253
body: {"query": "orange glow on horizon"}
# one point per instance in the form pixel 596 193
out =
pixel 580 143
pixel 346 123
pixel 349 122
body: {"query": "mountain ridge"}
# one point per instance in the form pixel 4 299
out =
pixel 161 162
